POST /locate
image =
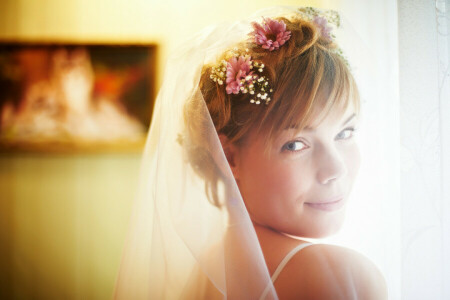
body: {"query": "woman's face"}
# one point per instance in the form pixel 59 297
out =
pixel 302 187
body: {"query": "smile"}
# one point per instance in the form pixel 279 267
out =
pixel 328 206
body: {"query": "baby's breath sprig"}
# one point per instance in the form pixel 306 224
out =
pixel 218 73
pixel 260 88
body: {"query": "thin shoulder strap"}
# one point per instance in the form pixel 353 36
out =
pixel 287 258
pixel 281 266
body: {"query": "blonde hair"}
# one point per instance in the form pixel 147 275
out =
pixel 305 73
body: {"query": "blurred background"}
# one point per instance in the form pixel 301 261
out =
pixel 70 148
pixel 78 81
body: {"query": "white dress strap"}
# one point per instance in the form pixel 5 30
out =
pixel 281 266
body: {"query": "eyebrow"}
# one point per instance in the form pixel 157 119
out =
pixel 307 128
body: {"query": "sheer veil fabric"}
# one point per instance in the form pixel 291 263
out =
pixel 180 246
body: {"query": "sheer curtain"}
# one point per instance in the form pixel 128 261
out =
pixel 425 143
pixel 400 214
pixel 373 223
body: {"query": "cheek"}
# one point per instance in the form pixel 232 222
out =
pixel 260 181
pixel 272 188
pixel 352 160
pixel 287 182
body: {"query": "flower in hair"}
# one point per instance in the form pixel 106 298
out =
pixel 326 21
pixel 243 75
pixel 271 34
pixel 322 24
pixel 238 69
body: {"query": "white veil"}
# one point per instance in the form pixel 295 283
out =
pixel 179 244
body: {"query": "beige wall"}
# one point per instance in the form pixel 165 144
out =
pixel 63 217
pixel 63 220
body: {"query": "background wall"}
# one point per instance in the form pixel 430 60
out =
pixel 63 218
pixel 62 223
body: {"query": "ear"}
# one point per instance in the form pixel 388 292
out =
pixel 231 153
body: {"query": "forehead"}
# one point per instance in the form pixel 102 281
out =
pixel 335 117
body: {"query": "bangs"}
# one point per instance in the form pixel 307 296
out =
pixel 322 87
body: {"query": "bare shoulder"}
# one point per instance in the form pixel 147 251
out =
pixel 330 272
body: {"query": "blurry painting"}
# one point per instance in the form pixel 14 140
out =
pixel 75 96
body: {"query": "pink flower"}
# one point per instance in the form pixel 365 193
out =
pixel 271 35
pixel 237 69
pixel 322 23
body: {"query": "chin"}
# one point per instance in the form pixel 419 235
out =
pixel 328 227
pixel 320 227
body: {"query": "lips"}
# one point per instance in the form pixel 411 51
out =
pixel 328 205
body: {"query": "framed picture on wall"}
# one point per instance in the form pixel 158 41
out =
pixel 82 97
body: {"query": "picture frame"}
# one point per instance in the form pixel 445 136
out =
pixel 63 97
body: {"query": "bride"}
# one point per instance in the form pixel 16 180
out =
pixel 251 154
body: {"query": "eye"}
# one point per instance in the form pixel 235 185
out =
pixel 346 134
pixel 294 146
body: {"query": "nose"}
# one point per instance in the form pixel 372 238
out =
pixel 331 165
